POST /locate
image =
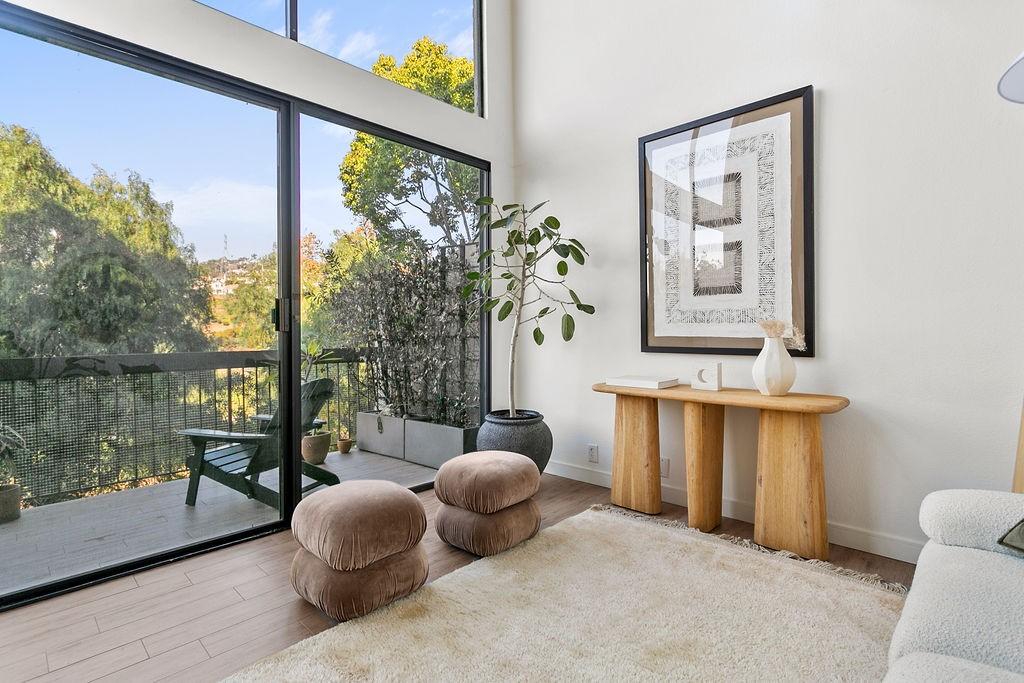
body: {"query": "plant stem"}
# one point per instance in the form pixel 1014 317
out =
pixel 520 295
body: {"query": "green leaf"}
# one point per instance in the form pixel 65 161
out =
pixel 538 206
pixel 491 303
pixel 468 290
pixel 500 223
pixel 552 222
pixel 577 255
pixel 484 201
pixel 535 237
pixel 579 246
pixel 562 250
pixel 472 275
pixel 575 299
pixel 486 255
pixel 568 327
pixel 505 309
pixel 506 275
pixel 544 311
pixel 508 252
pixel 538 336
pixel 483 220
pixel 509 206
pixel 531 257
pixel 586 308
pixel 562 267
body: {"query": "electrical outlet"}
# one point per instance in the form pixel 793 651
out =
pixel 665 463
pixel 592 452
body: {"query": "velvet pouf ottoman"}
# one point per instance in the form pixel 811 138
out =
pixel 360 547
pixel 488 504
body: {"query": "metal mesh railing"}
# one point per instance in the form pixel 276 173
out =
pixel 104 423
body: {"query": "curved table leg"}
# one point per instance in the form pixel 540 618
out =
pixel 636 462
pixel 789 508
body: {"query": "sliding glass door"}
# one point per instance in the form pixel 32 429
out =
pixel 205 286
pixel 139 366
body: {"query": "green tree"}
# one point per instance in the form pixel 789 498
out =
pixel 398 188
pixel 90 268
pixel 249 306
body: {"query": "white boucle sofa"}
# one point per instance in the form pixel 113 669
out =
pixel 964 616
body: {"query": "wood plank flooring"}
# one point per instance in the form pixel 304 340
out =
pixel 205 617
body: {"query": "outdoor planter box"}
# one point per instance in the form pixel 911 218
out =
pixel 382 434
pixel 431 444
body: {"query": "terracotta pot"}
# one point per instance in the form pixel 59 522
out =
pixel 10 502
pixel 315 448
pixel 344 445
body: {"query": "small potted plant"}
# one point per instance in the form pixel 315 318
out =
pixel 344 440
pixel 508 281
pixel 11 444
pixel 317 443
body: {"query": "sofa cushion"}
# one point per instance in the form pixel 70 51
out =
pixel 964 603
pixel 486 481
pixel 926 666
pixel 355 523
pixel 347 595
pixel 973 519
pixel 488 534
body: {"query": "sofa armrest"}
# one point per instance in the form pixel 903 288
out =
pixel 971 518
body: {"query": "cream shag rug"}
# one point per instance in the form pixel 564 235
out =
pixel 610 595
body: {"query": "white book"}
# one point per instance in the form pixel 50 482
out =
pixel 643 381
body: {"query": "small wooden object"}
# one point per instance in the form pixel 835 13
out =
pixel 789 510
pixel 1018 472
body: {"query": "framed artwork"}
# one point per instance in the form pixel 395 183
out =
pixel 726 229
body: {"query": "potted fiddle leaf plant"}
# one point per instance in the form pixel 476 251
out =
pixel 317 443
pixel 511 280
pixel 11 444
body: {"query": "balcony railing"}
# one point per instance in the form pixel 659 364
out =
pixel 102 423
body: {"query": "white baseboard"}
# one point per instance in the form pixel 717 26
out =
pixel 878 543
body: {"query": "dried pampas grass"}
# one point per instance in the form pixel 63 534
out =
pixel 777 329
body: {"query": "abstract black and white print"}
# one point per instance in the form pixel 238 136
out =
pixel 719 264
pixel 718 273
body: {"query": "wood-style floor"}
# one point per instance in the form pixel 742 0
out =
pixel 203 618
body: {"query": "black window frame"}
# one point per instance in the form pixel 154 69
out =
pixel 80 39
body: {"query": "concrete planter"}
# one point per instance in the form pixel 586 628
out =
pixel 10 502
pixel 430 444
pixel 382 434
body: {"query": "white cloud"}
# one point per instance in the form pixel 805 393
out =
pixel 360 46
pixel 205 212
pixel 319 33
pixel 462 44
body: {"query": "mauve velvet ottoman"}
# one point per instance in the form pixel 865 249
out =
pixel 359 547
pixel 487 501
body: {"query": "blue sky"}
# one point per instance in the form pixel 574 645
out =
pixel 212 156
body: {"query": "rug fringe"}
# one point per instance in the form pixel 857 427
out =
pixel 869 579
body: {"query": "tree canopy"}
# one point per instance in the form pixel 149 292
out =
pixel 89 268
pixel 400 189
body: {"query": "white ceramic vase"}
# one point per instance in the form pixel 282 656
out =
pixel 774 370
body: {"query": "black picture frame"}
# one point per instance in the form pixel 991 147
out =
pixel 805 95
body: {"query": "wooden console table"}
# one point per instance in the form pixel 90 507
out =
pixel 789 508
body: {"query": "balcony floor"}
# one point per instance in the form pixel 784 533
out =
pixel 64 539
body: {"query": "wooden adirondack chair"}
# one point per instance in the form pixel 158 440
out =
pixel 241 457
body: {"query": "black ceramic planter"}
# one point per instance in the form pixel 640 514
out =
pixel 525 433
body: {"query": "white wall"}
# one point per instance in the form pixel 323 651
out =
pixel 196 33
pixel 919 228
